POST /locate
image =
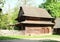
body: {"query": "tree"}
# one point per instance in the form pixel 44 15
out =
pixel 53 7
pixel 2 2
pixel 26 1
pixel 3 18
pixel 4 21
pixel 0 17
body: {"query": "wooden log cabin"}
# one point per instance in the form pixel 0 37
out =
pixel 56 28
pixel 34 21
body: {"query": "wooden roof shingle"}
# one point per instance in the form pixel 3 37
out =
pixel 57 23
pixel 35 12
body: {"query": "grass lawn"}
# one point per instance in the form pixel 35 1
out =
pixel 22 37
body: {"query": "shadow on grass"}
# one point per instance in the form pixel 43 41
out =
pixel 11 39
pixel 26 40
pixel 56 34
pixel 7 38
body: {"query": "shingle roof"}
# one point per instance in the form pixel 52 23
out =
pixel 35 12
pixel 38 22
pixel 57 23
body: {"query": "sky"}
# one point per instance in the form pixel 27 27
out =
pixel 10 4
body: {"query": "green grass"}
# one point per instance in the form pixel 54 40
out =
pixel 7 38
pixel 43 36
pixel 22 37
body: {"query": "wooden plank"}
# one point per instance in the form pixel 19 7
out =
pixel 37 30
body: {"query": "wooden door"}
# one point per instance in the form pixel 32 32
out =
pixel 46 30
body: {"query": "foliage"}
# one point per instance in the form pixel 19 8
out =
pixel 0 18
pixel 2 2
pixel 8 18
pixel 53 7
pixel 3 18
pixel 4 22
pixel 14 15
pixel 12 18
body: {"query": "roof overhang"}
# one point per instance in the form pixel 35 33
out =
pixel 37 22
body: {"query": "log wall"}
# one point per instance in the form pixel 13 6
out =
pixel 38 30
